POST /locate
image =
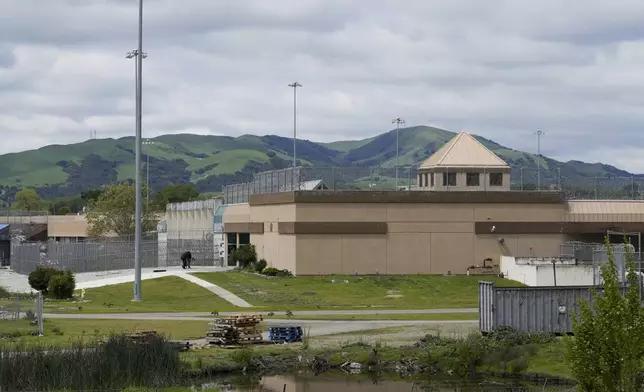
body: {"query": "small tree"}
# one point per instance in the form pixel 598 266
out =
pixel 114 212
pixel 607 350
pixel 40 277
pixel 245 255
pixel 61 286
pixel 28 200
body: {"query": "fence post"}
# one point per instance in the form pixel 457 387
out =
pixel 39 314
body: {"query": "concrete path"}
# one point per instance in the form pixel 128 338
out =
pixel 223 293
pixel 118 278
pixel 201 315
pixel 314 327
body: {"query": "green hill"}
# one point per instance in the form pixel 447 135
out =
pixel 212 161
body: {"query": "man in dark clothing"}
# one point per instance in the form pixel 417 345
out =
pixel 186 259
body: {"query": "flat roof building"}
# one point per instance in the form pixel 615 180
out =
pixel 462 213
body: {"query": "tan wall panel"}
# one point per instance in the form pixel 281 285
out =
pixel 286 252
pixel 434 227
pixel 451 252
pixel 543 245
pixel 488 246
pixel 273 213
pixel 258 241
pixel 67 226
pixel 520 212
pixel 409 253
pixel 341 212
pixel 426 212
pixel 364 254
pixel 237 213
pixel 319 254
pixel 269 248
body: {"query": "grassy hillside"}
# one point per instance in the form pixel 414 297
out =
pixel 213 161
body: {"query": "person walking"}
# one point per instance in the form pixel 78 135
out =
pixel 186 259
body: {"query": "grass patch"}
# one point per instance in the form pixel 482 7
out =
pixel 317 292
pixel 67 331
pixel 166 294
pixel 550 360
pixel 404 317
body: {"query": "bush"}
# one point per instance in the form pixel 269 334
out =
pixel 270 271
pixel 245 256
pixel 40 277
pixel 61 286
pixel 260 265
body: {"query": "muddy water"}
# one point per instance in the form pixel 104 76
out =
pixel 365 384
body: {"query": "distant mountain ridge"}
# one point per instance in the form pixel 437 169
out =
pixel 212 161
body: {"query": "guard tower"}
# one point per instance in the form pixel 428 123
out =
pixel 464 164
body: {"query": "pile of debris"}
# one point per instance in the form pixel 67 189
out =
pixel 234 330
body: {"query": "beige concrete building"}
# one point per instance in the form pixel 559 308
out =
pixel 436 230
pixel 464 164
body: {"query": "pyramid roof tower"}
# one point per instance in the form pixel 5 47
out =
pixel 464 151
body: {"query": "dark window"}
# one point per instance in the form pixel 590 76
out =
pixel 473 179
pixel 496 179
pixel 449 179
pixel 426 181
pixel 431 178
pixel 244 239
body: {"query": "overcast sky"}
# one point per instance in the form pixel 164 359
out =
pixel 497 68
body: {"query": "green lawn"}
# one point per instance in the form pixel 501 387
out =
pixel 318 292
pixel 167 294
pixel 550 359
pixel 60 331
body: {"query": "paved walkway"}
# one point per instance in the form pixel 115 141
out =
pixel 20 283
pixel 313 327
pixel 223 293
pixel 201 315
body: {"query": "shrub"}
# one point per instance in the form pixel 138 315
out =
pixel 40 277
pixel 260 265
pixel 270 271
pixel 61 286
pixel 245 255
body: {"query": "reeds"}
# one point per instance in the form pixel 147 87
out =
pixel 116 363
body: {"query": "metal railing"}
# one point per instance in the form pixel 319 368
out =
pixel 384 178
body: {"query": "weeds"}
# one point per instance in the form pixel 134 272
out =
pixel 114 364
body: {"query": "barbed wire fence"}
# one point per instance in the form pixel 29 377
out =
pixel 385 178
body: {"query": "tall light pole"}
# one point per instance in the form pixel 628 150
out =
pixel 138 55
pixel 397 121
pixel 539 133
pixel 294 85
pixel 147 142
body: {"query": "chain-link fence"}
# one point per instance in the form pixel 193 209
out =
pixel 573 185
pixel 106 254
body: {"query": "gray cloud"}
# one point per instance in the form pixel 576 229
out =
pixel 501 69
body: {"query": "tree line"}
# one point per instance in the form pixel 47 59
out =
pixel 30 201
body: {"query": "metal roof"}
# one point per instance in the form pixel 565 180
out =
pixel 606 211
pixel 464 151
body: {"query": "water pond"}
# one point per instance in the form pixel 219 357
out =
pixel 364 383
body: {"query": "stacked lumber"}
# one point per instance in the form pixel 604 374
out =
pixel 234 330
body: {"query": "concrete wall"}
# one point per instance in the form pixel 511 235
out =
pixel 190 220
pixel 539 271
pixel 421 238
pixel 67 226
